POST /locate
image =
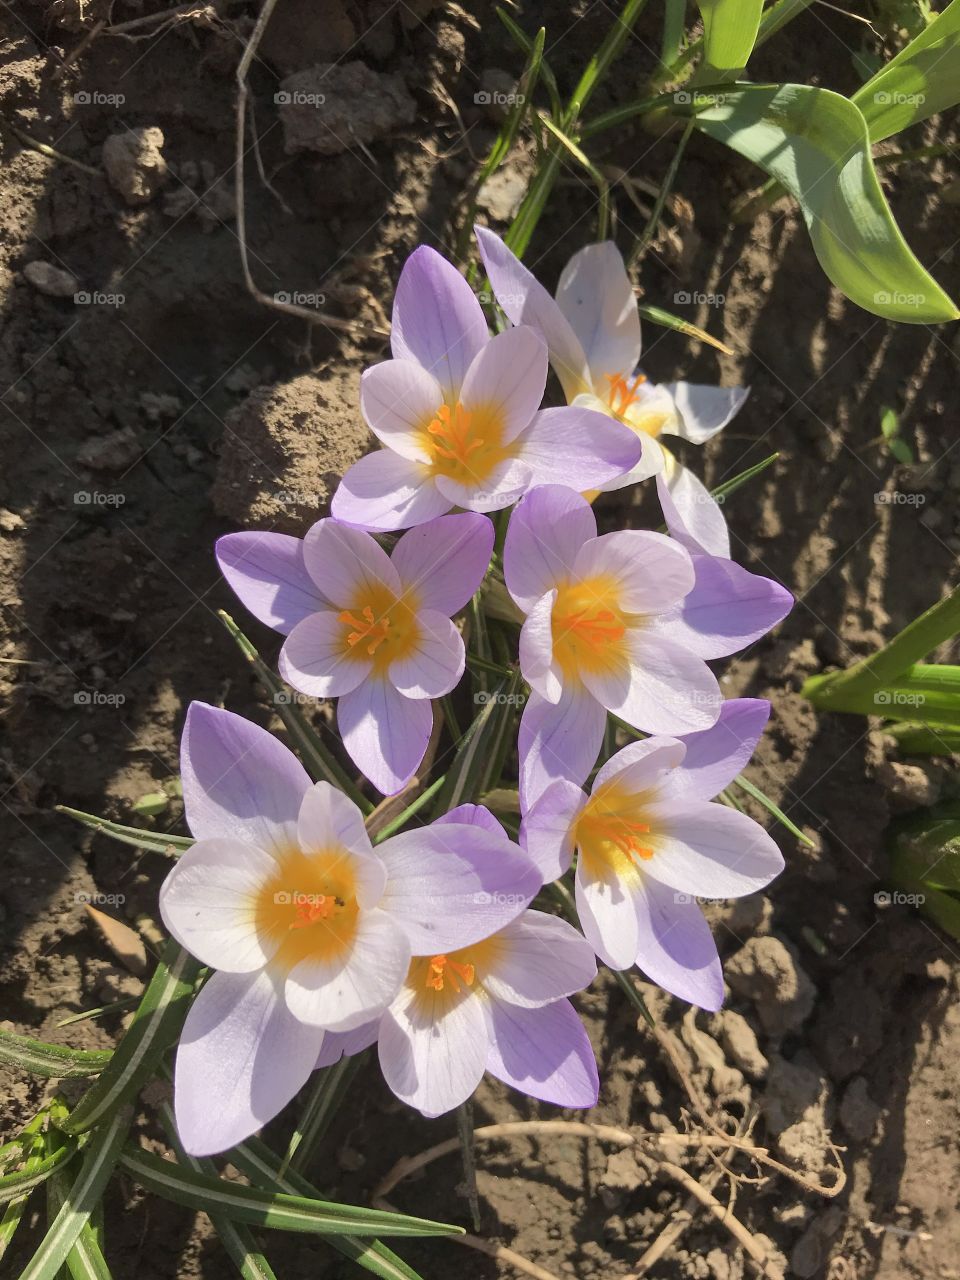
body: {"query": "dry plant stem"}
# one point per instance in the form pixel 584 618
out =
pixel 48 151
pixel 674 1229
pixel 289 308
pixel 502 1254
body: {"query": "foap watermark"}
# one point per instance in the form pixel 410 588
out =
pixel 898 698
pixel 896 498
pixel 97 498
pixel 298 98
pixel 684 298
pixel 482 697
pixel 97 899
pixel 94 98
pixel 298 497
pixel 290 698
pixel 685 900
pixel 688 97
pixel 298 299
pixel 886 298
pixel 96 698
pixel 885 99
pixel 504 299
pixel 500 899
pixel 896 898
pixel 494 98
pixel 86 298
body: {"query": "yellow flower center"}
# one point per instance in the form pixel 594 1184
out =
pixel 381 626
pixel 439 983
pixel 309 907
pixel 444 969
pixel 612 834
pixel 624 401
pixel 465 445
pixel 588 626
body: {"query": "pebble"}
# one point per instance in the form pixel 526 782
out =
pixel 55 282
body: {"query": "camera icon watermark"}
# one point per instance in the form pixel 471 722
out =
pixel 94 98
pixel 482 697
pixel 96 498
pixel 95 698
pixel 298 98
pixel 85 298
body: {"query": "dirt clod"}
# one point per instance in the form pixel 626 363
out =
pixel 336 106
pixel 135 165
pixel 909 786
pixel 767 971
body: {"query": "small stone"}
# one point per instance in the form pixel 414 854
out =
pixel 55 282
pixel 810 1252
pixel 135 165
pixel 502 194
pixel 740 1043
pixel 497 93
pixel 114 452
pixel 909 786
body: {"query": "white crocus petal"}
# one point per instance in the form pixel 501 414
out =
pixel 709 850
pixel 537 663
pixel 538 959
pixel 344 990
pixel 433 1061
pixel 507 379
pixel 436 662
pixel 652 462
pixel 693 515
pixel 652 573
pixel 347 563
pixel 328 819
pixel 608 916
pixel 641 766
pixel 503 485
pixel 315 658
pixel 702 411
pixel 209 901
pixel 398 400
pixel 596 297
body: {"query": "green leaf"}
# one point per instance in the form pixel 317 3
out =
pixel 927 739
pixel 327 1092
pixel 815 144
pixel 667 320
pixel 151 805
pixel 275 1210
pixel 745 785
pixel 724 491
pixel 155 1026
pixel 480 745
pixel 81 1198
pixel 730 30
pixel 15 1185
pixel 85 1260
pixel 155 841
pixel 901 451
pixel 923 79
pixel 889 423
pixel 53 1060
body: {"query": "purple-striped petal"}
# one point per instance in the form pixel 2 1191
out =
pixel 435 664
pixel 327 820
pixel 525 300
pixel 383 491
pixel 437 320
pixel 443 563
pixel 473 815
pixel 450 885
pixel 547 830
pixel 608 914
pixel 545 1053
pixel 346 563
pixel 537 663
pixel 572 444
pixel 398 400
pixel 704 410
pixel 659 688
pixel 728 609
pixel 677 950
pixel 239 782
pixel 546 531
pixel 433 1054
pixel 314 658
pixel 242 1057
pixel 538 959
pixel 345 1044
pixel 507 379
pixel 384 733
pixel 652 573
pixel 267 573
pixel 641 766
pixel 716 756
pixel 709 849
pixel 691 512
pixel 597 298
pixel 558 741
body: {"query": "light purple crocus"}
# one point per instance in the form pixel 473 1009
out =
pixel 458 413
pixel 369 629
pixel 592 331
pixel 649 842
pixel 624 623
pixel 498 1006
pixel 310 930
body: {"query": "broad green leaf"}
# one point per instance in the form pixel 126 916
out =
pixel 889 423
pixel 155 1026
pixel 54 1060
pixel 815 143
pixel 155 841
pixel 925 848
pixel 927 692
pixel 915 739
pixel 81 1198
pixel 262 1167
pixel 921 80
pixel 276 1210
pixel 901 451
pixel 729 33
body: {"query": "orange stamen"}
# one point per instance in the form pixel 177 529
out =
pixel 451 434
pixel 442 968
pixel 622 393
pixel 316 908
pixel 597 627
pixel 622 832
pixel 373 630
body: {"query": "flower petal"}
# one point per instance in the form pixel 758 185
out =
pixel 652 572
pixel 314 659
pixel 525 300
pixel 444 562
pixel 540 669
pixel 641 766
pixel 450 885
pixel 608 915
pixel 239 782
pixel 692 514
pixel 538 959
pixel 328 819
pixel 267 573
pixel 473 815
pixel 560 444
pixel 709 849
pixel 398 399
pixel 345 1044
pixel 702 411
pixel 545 1053
pixel 433 1060
pixel 383 491
pixel 503 485
pixel 507 379
pixel 346 562
pixel 677 950
pixel 547 831
pixel 597 298
pixel 343 992
pixel 653 461
pixel 728 608
pixel 242 1057
pixel 545 533
pixel 435 664
pixel 661 688
pixel 715 756
pixel 437 320
pixel 384 733
pixel 209 904
pixel 558 741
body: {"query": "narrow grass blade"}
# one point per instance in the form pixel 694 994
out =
pixel 85 1260
pixel 325 1098
pixel 756 794
pixel 411 811
pixel 81 1198
pixel 154 1028
pixel 601 183
pixel 15 1185
pixel 523 41
pixel 154 841
pixel 465 779
pixel 53 1060
pixel 667 320
pixel 275 1210
pixel 731 486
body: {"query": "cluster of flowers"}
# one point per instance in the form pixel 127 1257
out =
pixel 322 944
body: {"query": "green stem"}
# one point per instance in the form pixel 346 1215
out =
pixel 666 187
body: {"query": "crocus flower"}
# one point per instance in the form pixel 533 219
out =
pixel 456 412
pixel 592 330
pixel 309 930
pixel 624 623
pixel 370 629
pixel 649 842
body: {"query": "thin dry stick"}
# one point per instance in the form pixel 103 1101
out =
pixel 673 1230
pixel 289 308
pixel 49 151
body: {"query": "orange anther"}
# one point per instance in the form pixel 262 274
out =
pixel 442 968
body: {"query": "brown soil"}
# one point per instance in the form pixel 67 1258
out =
pixel 173 406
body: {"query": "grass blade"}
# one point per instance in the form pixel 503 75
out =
pixel 756 794
pixel 85 1260
pixel 53 1060
pixel 154 841
pixel 667 320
